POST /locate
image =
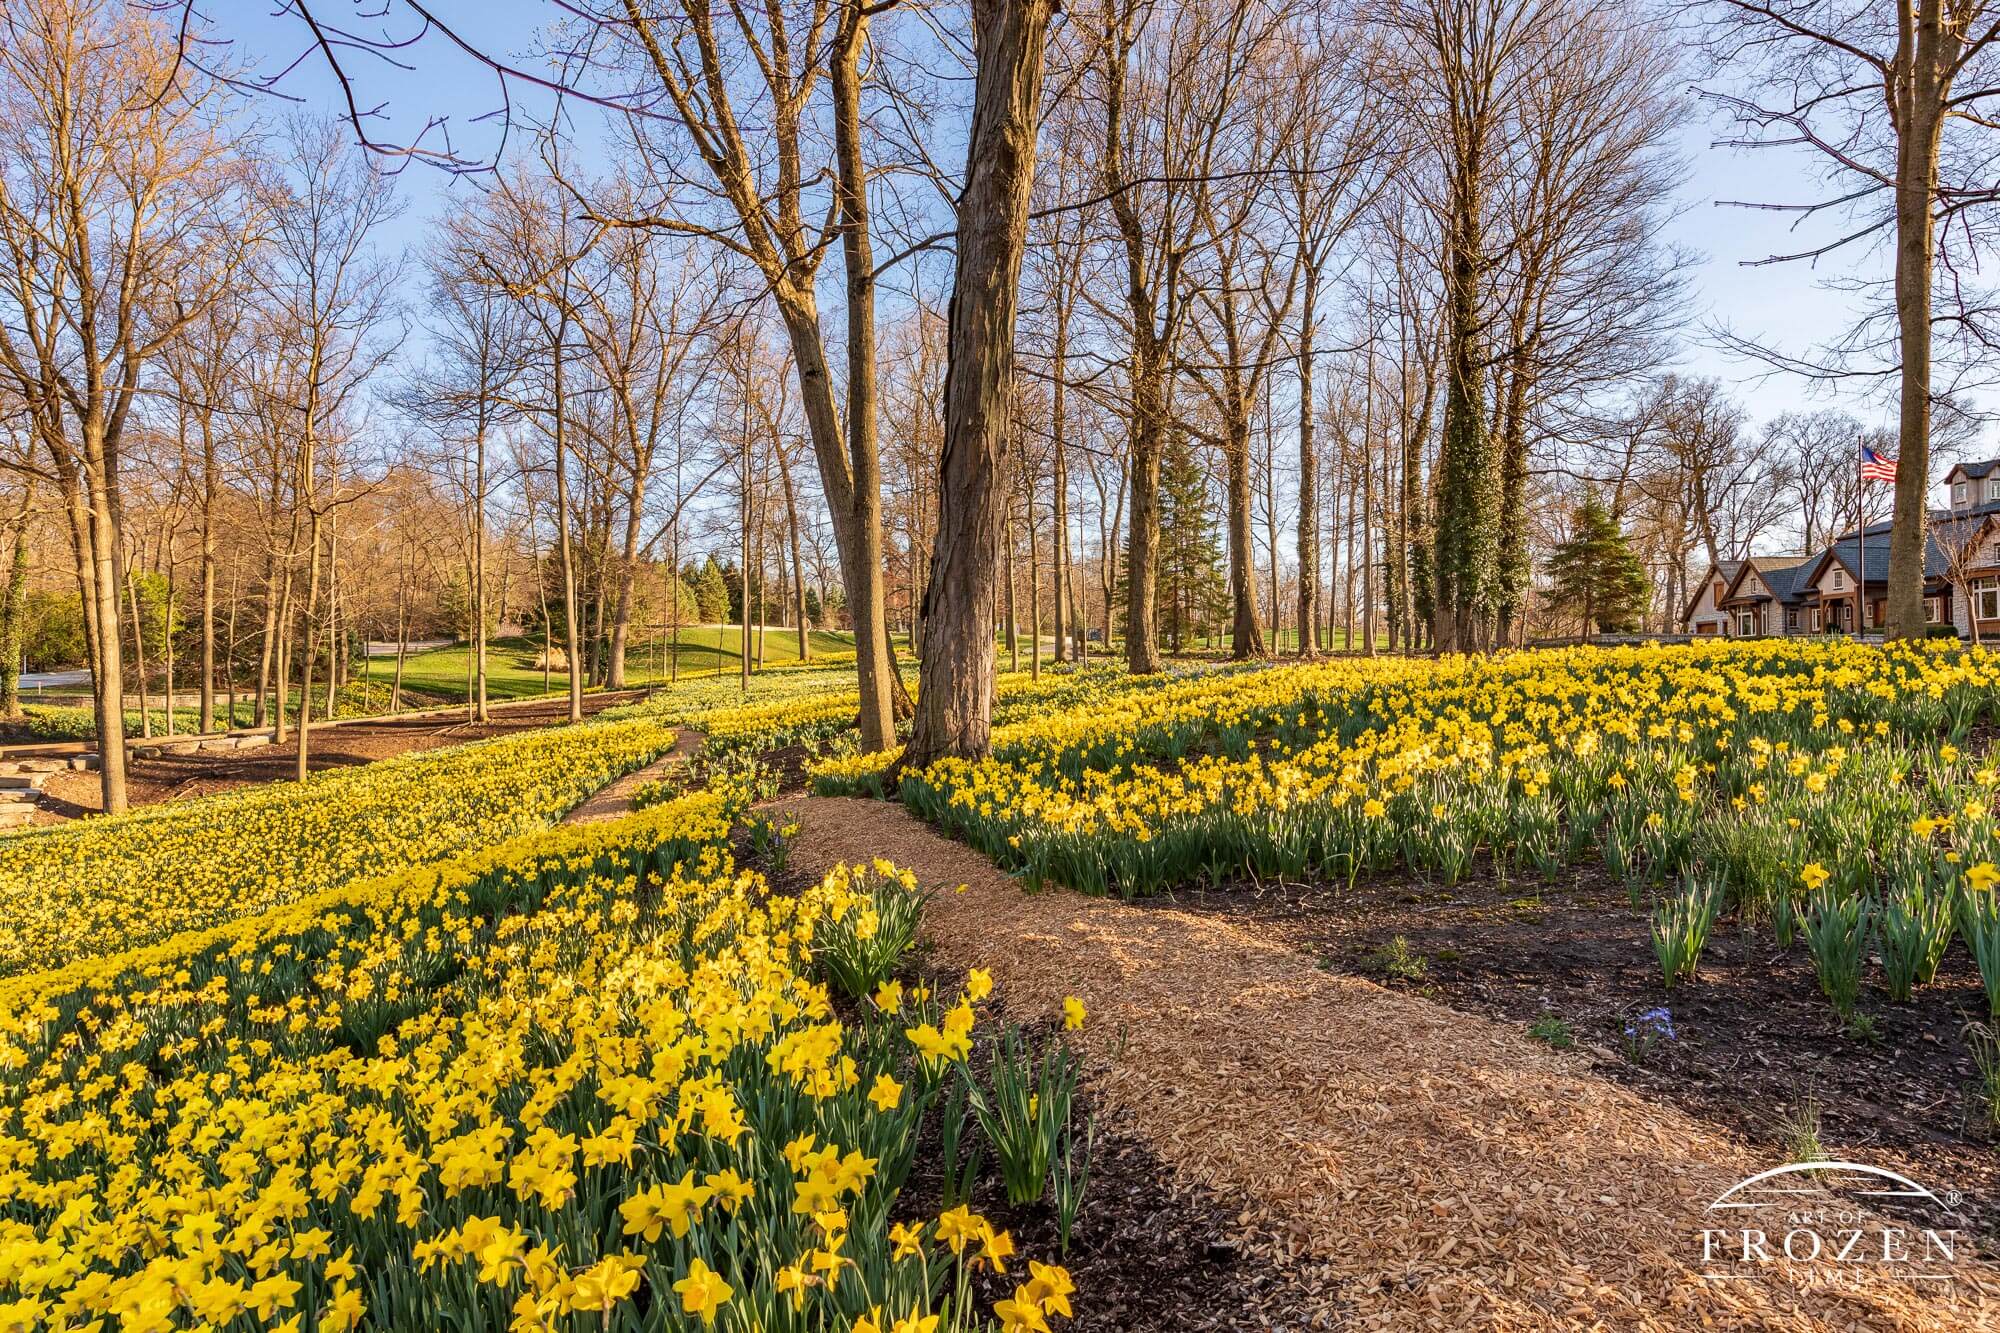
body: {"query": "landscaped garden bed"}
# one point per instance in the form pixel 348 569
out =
pixel 1750 1045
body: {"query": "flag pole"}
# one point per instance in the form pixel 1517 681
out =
pixel 1860 554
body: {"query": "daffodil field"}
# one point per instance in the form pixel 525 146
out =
pixel 97 886
pixel 386 1050
pixel 590 1077
pixel 1830 789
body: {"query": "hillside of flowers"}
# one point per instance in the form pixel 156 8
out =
pixel 1834 790
pixel 102 885
pixel 589 1078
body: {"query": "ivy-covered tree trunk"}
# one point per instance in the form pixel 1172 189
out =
pixel 1468 491
pixel 14 611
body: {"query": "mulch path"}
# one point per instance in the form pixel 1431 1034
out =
pixel 1435 1169
pixel 174 777
pixel 611 801
pixel 1756 1048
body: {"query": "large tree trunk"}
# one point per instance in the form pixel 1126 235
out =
pixel 208 497
pixel 1916 183
pixel 1059 464
pixel 621 606
pixel 1142 545
pixel 571 631
pixel 307 626
pixel 955 704
pixel 108 681
pixel 854 488
pixel 1468 497
pixel 1309 479
pixel 798 565
pixel 1246 634
pixel 479 709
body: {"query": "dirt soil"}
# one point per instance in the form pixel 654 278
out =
pixel 72 795
pixel 1756 1048
pixel 1430 1167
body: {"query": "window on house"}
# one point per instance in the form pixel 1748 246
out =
pixel 1993 488
pixel 1816 621
pixel 1958 493
pixel 1986 598
pixel 1839 579
pixel 1933 610
pixel 1746 624
pixel 1792 618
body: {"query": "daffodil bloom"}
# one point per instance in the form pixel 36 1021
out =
pixel 703 1292
pixel 887 1093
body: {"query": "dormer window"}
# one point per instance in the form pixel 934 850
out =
pixel 1958 493
pixel 1839 579
pixel 1993 487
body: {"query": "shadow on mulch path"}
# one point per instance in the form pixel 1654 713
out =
pixel 1436 1169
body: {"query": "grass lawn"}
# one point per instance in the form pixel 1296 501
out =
pixel 511 673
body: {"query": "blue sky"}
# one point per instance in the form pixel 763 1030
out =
pixel 1784 305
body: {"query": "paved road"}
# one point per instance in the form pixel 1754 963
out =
pixel 49 680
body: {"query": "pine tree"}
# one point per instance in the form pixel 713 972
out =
pixel 1595 575
pixel 1190 586
pixel 711 593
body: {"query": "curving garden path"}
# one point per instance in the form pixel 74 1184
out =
pixel 1434 1169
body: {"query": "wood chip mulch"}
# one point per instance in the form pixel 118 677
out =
pixel 1426 1168
pixel 615 798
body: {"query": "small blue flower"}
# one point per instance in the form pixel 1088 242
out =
pixel 1651 1025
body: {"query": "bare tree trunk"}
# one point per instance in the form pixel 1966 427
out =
pixel 266 658
pixel 167 633
pixel 1013 620
pixel 208 495
pixel 402 632
pixel 138 648
pixel 1034 603
pixel 1246 634
pixel 1916 186
pixel 1060 467
pixel 479 709
pixel 798 565
pixel 307 626
pixel 854 492
pixel 229 642
pixel 571 645
pixel 955 704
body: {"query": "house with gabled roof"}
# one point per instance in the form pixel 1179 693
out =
pixel 1764 597
pixel 1703 613
pixel 1844 587
pixel 1973 488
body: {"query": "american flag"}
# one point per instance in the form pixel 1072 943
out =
pixel 1876 467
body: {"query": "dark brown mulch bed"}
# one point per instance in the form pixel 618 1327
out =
pixel 173 777
pixel 1755 1044
pixel 1148 1254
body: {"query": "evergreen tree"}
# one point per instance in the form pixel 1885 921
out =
pixel 1190 586
pixel 711 592
pixel 1595 575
